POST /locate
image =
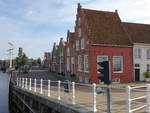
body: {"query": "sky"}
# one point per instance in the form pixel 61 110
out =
pixel 35 25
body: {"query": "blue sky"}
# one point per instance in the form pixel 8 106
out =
pixel 36 24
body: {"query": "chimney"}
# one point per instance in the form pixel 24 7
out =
pixel 116 11
pixel 79 6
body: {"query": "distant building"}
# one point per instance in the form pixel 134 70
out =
pixel 46 61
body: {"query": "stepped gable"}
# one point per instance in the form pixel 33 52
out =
pixel 106 28
pixel 139 33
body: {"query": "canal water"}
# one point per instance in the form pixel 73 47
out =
pixel 4 90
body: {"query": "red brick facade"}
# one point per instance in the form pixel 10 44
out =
pixel 97 34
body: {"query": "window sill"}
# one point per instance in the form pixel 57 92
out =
pixel 86 71
pixel 117 71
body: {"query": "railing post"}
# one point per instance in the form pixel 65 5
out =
pixel 73 92
pixel 148 98
pixel 41 87
pixel 22 82
pixel 35 85
pixel 94 97
pixel 128 92
pixel 30 84
pixel 17 82
pixel 26 83
pixel 59 90
pixel 49 88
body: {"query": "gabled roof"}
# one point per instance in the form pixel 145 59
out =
pixel 105 28
pixel 139 33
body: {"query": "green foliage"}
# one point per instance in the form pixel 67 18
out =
pixel 39 61
pixel 22 59
pixel 147 74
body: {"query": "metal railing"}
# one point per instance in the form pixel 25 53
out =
pixel 110 99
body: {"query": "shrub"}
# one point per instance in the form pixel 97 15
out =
pixel 147 74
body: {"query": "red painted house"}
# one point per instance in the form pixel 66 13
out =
pixel 100 36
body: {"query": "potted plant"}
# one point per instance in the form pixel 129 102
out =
pixel 147 75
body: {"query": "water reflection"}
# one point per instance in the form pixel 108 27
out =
pixel 4 89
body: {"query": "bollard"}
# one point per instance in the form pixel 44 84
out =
pixel 128 103
pixel 41 87
pixel 30 84
pixel 35 85
pixel 49 88
pixel 94 97
pixel 58 92
pixel 26 83
pixel 73 92
pixel 148 98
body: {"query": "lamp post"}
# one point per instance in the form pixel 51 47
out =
pixel 10 50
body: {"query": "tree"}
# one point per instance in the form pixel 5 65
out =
pixel 39 61
pixel 22 59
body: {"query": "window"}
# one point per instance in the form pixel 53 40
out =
pixel 148 67
pixel 148 54
pixel 79 63
pixel 79 21
pixel 82 43
pixel 79 32
pixel 137 65
pixel 72 60
pixel 68 51
pixel 101 59
pixel 77 45
pixel 86 63
pixel 117 64
pixel 68 63
pixel 137 53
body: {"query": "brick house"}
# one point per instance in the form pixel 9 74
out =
pixel 47 58
pixel 69 60
pixel 54 58
pixel 60 56
pixel 100 36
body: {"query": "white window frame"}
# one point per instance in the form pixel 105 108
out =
pixel 80 63
pixel 148 66
pixel 137 53
pixel 102 61
pixel 82 43
pixel 148 53
pixel 121 64
pixel 86 63
pixel 77 45
pixel 68 63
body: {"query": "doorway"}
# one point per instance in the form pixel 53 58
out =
pixel 137 74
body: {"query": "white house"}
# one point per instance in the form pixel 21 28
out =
pixel 140 36
pixel 141 60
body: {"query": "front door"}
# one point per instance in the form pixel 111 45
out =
pixel 137 74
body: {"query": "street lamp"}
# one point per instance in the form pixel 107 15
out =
pixel 10 50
